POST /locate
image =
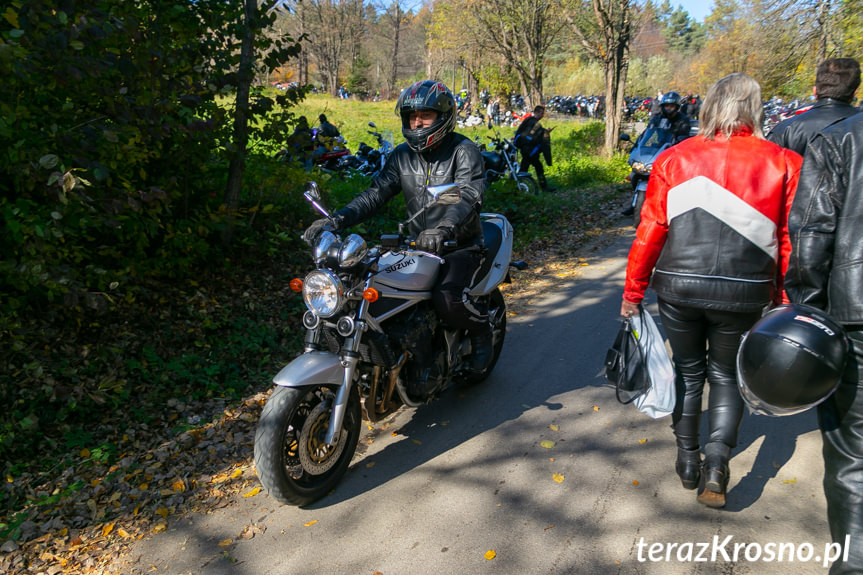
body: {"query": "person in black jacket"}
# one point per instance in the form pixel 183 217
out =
pixel 671 117
pixel 534 143
pixel 433 154
pixel 826 271
pixel 836 83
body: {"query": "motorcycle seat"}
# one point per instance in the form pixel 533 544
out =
pixel 493 239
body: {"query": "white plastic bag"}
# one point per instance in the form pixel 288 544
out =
pixel 659 399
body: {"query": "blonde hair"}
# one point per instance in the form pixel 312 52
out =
pixel 732 103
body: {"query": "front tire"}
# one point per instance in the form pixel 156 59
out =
pixel 497 317
pixel 293 463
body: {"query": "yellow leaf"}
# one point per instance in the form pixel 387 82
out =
pixel 253 492
pixel 163 511
pixel 225 542
pixel 95 482
pixel 115 497
pixel 143 487
pixel 642 441
pixel 310 523
pixel 551 459
pixel 490 555
pixel 595 408
pixel 553 427
pixel 789 481
pixel 9 479
pixel 371 427
pixel 84 453
pixel 123 533
pixel 236 473
pixel 370 464
pixel 159 528
pixel 179 485
pixel 64 532
pixel 635 482
pixel 395 433
pixel 106 529
pixel 558 477
pixel 547 443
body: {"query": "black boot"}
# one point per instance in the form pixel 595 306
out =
pixel 688 467
pixel 482 349
pixel 714 475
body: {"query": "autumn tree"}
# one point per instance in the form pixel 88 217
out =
pixel 605 29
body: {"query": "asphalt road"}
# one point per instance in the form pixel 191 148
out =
pixel 469 474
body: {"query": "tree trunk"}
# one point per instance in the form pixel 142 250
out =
pixel 237 150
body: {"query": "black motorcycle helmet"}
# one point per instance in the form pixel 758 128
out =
pixel 427 95
pixel 792 359
pixel 670 98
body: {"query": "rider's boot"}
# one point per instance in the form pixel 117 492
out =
pixel 482 349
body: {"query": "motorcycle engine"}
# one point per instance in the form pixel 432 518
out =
pixel 425 368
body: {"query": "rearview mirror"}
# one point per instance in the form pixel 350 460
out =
pixel 445 195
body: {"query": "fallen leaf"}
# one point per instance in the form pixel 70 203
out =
pixel 106 529
pixel 395 433
pixel 558 477
pixel 549 527
pixel 143 487
pixel 122 532
pixel 490 555
pixel 85 453
pixel 642 441
pixel 635 482
pixel 310 523
pixel 159 527
pixel 163 511
pixel 547 443
pixel 789 481
pixel 236 473
pixel 225 542
pixel 595 408
pixel 253 492
pixel 553 427
pixel 370 464
pixel 179 486
pixel 551 459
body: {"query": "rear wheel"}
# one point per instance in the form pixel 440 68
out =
pixel 497 317
pixel 292 460
pixel 527 185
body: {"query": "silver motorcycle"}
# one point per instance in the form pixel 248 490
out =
pixel 371 330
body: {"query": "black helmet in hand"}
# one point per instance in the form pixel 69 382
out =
pixel 792 359
pixel 427 95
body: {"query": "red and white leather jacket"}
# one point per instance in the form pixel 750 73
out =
pixel 714 225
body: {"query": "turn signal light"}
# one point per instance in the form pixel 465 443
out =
pixel 296 285
pixel 371 295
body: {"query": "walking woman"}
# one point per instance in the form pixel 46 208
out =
pixel 713 244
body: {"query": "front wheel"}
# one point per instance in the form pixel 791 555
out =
pixel 527 185
pixel 497 317
pixel 639 202
pixel 292 460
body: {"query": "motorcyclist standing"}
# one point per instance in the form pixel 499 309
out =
pixel 433 154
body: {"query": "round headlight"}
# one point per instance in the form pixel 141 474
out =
pixel 322 246
pixel 353 250
pixel 323 293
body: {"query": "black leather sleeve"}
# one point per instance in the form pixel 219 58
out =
pixel 812 224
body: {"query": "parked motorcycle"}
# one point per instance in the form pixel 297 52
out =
pixel 648 146
pixel 502 162
pixel 371 329
pixel 370 161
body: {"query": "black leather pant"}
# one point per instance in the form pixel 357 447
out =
pixel 704 346
pixel 840 418
pixel 450 295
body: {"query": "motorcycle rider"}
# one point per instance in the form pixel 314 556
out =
pixel 326 128
pixel 534 142
pixel 433 154
pixel 669 117
pixel 836 83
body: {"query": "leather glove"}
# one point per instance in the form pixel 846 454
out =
pixel 312 232
pixel 432 240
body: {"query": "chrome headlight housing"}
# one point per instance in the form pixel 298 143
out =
pixel 322 246
pixel 642 168
pixel 323 293
pixel 353 250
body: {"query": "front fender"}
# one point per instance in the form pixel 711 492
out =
pixel 314 367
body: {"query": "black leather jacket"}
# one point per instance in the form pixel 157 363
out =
pixel 456 160
pixel 794 133
pixel 826 224
pixel 678 123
